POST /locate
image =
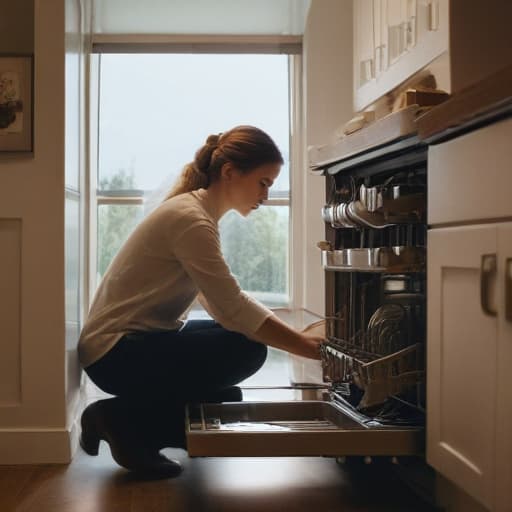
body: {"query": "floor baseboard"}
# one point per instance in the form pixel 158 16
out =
pixel 35 446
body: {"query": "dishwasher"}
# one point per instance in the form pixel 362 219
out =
pixel 373 253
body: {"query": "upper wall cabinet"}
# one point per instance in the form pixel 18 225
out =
pixel 392 40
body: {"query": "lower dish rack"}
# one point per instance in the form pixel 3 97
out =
pixel 379 377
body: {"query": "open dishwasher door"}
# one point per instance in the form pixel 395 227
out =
pixel 296 428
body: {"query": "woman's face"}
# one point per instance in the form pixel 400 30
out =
pixel 248 190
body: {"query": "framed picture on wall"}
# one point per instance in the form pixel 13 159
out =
pixel 16 84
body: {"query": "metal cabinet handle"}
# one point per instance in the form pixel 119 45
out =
pixel 508 289
pixel 487 272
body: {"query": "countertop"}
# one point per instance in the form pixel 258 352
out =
pixel 481 103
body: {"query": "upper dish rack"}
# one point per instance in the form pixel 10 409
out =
pixel 391 260
pixel 378 207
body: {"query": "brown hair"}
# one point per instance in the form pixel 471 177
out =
pixel 245 147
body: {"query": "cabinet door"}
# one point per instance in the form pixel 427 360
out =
pixel 397 25
pixel 462 357
pixel 504 400
pixel 469 178
pixel 364 45
pixel 404 36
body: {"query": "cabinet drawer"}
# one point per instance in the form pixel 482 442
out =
pixel 469 177
pixel 301 428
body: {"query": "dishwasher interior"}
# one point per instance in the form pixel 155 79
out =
pixel 374 256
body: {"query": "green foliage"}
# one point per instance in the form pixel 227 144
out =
pixel 115 222
pixel 121 180
pixel 256 249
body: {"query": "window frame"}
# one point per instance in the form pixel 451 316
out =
pixel 290 45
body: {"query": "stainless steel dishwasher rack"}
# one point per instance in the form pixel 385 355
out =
pixel 375 260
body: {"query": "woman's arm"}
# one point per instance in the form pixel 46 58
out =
pixel 278 334
pixel 274 332
pixel 198 250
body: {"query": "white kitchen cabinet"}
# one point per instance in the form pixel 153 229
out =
pixel 393 39
pixel 469 313
pixel 469 178
pixel 469 411
pixel 462 352
pixel 504 371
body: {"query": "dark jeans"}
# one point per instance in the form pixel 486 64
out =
pixel 177 366
pixel 153 375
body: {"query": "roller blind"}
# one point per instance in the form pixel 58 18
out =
pixel 212 17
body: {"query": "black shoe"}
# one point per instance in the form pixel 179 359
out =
pixel 111 421
pixel 168 419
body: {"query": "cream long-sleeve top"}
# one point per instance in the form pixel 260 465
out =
pixel 173 255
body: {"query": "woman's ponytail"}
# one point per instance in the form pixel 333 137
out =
pixel 190 179
pixel 195 175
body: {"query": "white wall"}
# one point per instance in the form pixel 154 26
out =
pixel 327 105
pixel 16 36
pixel 33 418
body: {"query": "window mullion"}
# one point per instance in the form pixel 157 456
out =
pixel 119 200
pixel 277 201
pixel 297 159
pixel 92 177
pixel 134 200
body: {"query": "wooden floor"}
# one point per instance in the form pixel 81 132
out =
pixel 97 484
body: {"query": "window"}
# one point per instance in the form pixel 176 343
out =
pixel 154 112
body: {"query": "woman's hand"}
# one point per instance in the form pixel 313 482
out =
pixel 311 345
pixel 276 333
